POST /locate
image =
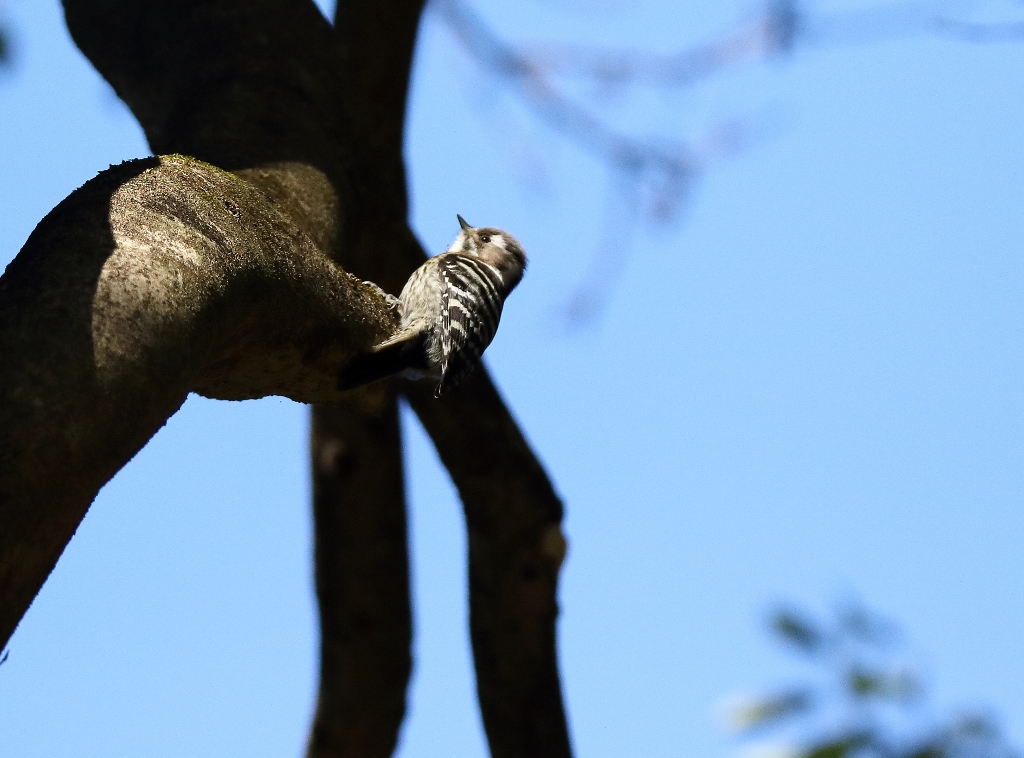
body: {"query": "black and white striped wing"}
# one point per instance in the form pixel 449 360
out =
pixel 469 318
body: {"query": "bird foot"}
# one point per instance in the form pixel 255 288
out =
pixel 392 301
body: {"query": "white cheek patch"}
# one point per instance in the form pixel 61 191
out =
pixel 499 240
pixel 456 246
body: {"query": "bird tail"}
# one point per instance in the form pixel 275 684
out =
pixel 401 352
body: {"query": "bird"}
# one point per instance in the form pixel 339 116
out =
pixel 449 310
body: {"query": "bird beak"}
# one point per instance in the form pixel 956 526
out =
pixel 462 222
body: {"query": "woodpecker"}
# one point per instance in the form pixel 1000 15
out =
pixel 449 311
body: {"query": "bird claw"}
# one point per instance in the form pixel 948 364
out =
pixel 392 301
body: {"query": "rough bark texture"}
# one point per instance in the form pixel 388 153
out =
pixel 131 293
pixel 311 116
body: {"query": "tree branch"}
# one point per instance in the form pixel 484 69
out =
pixel 245 85
pixel 133 292
pixel 362 576
pixel 516 548
pixel 260 87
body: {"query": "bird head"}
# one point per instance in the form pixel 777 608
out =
pixel 494 246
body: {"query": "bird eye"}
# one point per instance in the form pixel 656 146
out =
pixel 485 238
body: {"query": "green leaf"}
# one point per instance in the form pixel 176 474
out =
pixel 974 725
pixel 798 631
pixel 928 751
pixel 759 712
pixel 895 685
pixel 838 748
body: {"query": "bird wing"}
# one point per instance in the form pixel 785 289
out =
pixel 471 308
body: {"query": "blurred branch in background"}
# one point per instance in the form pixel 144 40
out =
pixel 652 177
pixel 865 698
pixel 6 51
pixel 5 46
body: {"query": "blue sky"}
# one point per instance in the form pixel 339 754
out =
pixel 808 388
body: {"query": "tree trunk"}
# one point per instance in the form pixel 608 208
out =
pixel 311 117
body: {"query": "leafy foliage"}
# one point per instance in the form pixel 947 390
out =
pixel 865 699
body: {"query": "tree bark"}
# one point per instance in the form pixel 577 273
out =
pixel 362 576
pixel 133 292
pixel 516 548
pixel 312 117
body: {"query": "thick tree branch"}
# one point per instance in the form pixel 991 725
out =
pixel 516 548
pixel 512 513
pixel 255 83
pixel 376 40
pixel 362 576
pixel 259 87
pixel 241 85
pixel 133 292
